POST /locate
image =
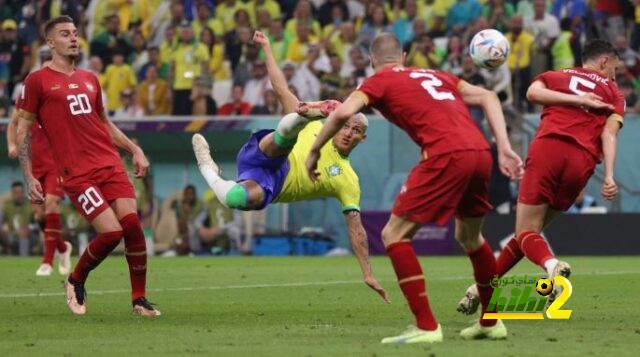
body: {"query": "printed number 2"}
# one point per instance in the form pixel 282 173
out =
pixel 79 104
pixel 577 81
pixel 430 84
pixel 554 312
pixel 90 200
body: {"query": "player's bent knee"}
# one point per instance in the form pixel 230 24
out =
pixel 390 236
pixel 237 197
pixel 51 204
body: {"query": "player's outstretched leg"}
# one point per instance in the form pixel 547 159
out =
pixel 396 236
pixel 484 269
pixel 530 220
pixel 229 193
pixel 508 258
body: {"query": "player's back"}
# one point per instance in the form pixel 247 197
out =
pixel 576 124
pixel 68 107
pixel 427 105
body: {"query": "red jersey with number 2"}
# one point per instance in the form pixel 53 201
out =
pixel 68 109
pixel 42 160
pixel 580 125
pixel 427 105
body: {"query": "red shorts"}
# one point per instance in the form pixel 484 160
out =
pixel 92 193
pixel 455 182
pixel 555 172
pixel 50 182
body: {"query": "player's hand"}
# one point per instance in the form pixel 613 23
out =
pixel 312 165
pixel 140 164
pixel 261 39
pixel 609 189
pixel 592 100
pixel 13 151
pixel 36 195
pixel 510 164
pixel 375 285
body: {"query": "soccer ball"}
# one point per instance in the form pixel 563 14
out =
pixel 489 49
pixel 544 286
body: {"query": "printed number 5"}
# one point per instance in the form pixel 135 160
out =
pixel 554 312
pixel 430 84
pixel 90 200
pixel 576 81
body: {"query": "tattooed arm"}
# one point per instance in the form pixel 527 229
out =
pixel 23 138
pixel 360 247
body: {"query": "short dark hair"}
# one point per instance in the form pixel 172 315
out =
pixel 596 48
pixel 16 184
pixel 64 19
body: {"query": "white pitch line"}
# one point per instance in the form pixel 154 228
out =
pixel 280 285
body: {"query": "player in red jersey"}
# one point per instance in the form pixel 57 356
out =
pixel 583 111
pixel 45 171
pixel 452 178
pixel 67 104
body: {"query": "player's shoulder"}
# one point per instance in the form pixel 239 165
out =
pixel 37 75
pixel 86 73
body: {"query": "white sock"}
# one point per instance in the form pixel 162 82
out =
pixel 219 185
pixel 549 265
pixel 290 125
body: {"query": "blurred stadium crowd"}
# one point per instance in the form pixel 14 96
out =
pixel 196 57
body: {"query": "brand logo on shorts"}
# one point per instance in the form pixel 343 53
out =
pixel 334 170
pixel 73 86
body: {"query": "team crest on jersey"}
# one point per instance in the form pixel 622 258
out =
pixel 89 86
pixel 334 170
pixel 73 86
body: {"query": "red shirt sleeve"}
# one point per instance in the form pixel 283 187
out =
pixel 619 103
pixel 373 87
pixel 545 77
pixel 31 93
pixel 99 103
pixel 452 78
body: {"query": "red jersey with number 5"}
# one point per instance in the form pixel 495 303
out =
pixel 427 105
pixel 42 160
pixel 68 109
pixel 580 125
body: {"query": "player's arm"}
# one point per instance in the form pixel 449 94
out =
pixel 510 162
pixel 360 246
pixel 23 138
pixel 278 81
pixel 539 93
pixel 140 161
pixel 12 133
pixel 609 139
pixel 354 103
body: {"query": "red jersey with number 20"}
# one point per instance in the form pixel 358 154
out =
pixel 427 105
pixel 42 160
pixel 68 109
pixel 579 125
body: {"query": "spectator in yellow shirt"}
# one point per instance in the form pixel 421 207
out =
pixel 217 66
pixel 299 47
pixel 303 13
pixel 153 94
pixel 190 60
pixel 118 77
pixel 204 20
pixel 225 12
pixel 271 6
pixel 519 61
pixel 279 39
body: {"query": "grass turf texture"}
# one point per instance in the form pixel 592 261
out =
pixel 216 306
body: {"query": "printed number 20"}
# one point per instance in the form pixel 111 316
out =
pixel 79 104
pixel 90 200
pixel 554 312
pixel 430 84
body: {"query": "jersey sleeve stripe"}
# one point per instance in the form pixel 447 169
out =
pixel 350 208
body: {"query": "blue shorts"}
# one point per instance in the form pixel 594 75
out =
pixel 269 172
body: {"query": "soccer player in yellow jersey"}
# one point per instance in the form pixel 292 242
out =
pixel 271 165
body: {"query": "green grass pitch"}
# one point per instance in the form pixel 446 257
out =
pixel 300 307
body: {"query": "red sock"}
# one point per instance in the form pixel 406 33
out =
pixel 484 269
pixel 136 251
pixel 52 237
pixel 411 280
pixel 96 251
pixel 509 256
pixel 535 247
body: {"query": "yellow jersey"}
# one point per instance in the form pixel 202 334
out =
pixel 117 79
pixel 337 177
pixel 188 59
